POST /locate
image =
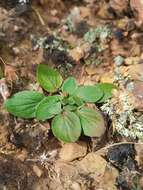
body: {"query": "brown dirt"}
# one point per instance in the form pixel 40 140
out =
pixel 30 156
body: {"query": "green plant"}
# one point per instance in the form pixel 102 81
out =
pixel 66 104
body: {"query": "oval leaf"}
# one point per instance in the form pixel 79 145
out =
pixel 48 78
pixel 78 101
pixel 69 85
pixel 48 108
pixel 68 100
pixel 70 107
pixel 66 127
pixel 107 89
pixel 92 122
pixel 23 104
pixel 89 93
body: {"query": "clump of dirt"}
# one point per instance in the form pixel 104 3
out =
pixel 15 175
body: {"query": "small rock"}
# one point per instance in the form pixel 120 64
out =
pixel 16 28
pixel 137 37
pixel 137 5
pixel 122 23
pixel 135 72
pixel 130 72
pixel 119 60
pixel 104 12
pixel 4 91
pixel 75 186
pixel 118 34
pixel 132 60
pixel 22 155
pixel 3 135
pixel 138 88
pixel 76 53
pixel 135 50
pixel 3 14
pixel 54 12
pixel 53 21
pixel 119 49
pixel 91 69
pixel 72 151
pixel 141 56
pixel 130 25
pixel 10 73
pixel 109 178
pixel 66 172
pixel 139 156
pixel 37 171
pixel 92 163
pixel 107 77
pixel 85 11
pixel 119 6
pixel 16 50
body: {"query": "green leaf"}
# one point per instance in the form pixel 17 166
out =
pixel 70 100
pixel 70 107
pixel 48 108
pixel 107 89
pixel 23 104
pixel 48 78
pixel 69 85
pixel 66 127
pixel 78 101
pixel 89 93
pixel 92 122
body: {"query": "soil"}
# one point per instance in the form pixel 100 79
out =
pixel 55 32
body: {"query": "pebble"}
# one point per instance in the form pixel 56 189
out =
pixel 92 163
pixel 16 50
pixel 72 151
pixel 132 60
pixel 37 171
pixel 75 186
pixel 119 60
pixel 22 155
pixel 118 34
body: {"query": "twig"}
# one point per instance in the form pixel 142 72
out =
pixel 39 16
pixel 2 60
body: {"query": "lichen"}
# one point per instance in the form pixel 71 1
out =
pixel 127 121
pixel 96 38
pixel 100 32
pixel 49 42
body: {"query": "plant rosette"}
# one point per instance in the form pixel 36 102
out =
pixel 66 105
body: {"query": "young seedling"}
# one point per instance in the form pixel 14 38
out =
pixel 65 105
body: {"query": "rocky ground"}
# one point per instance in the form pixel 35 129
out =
pixel 95 41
